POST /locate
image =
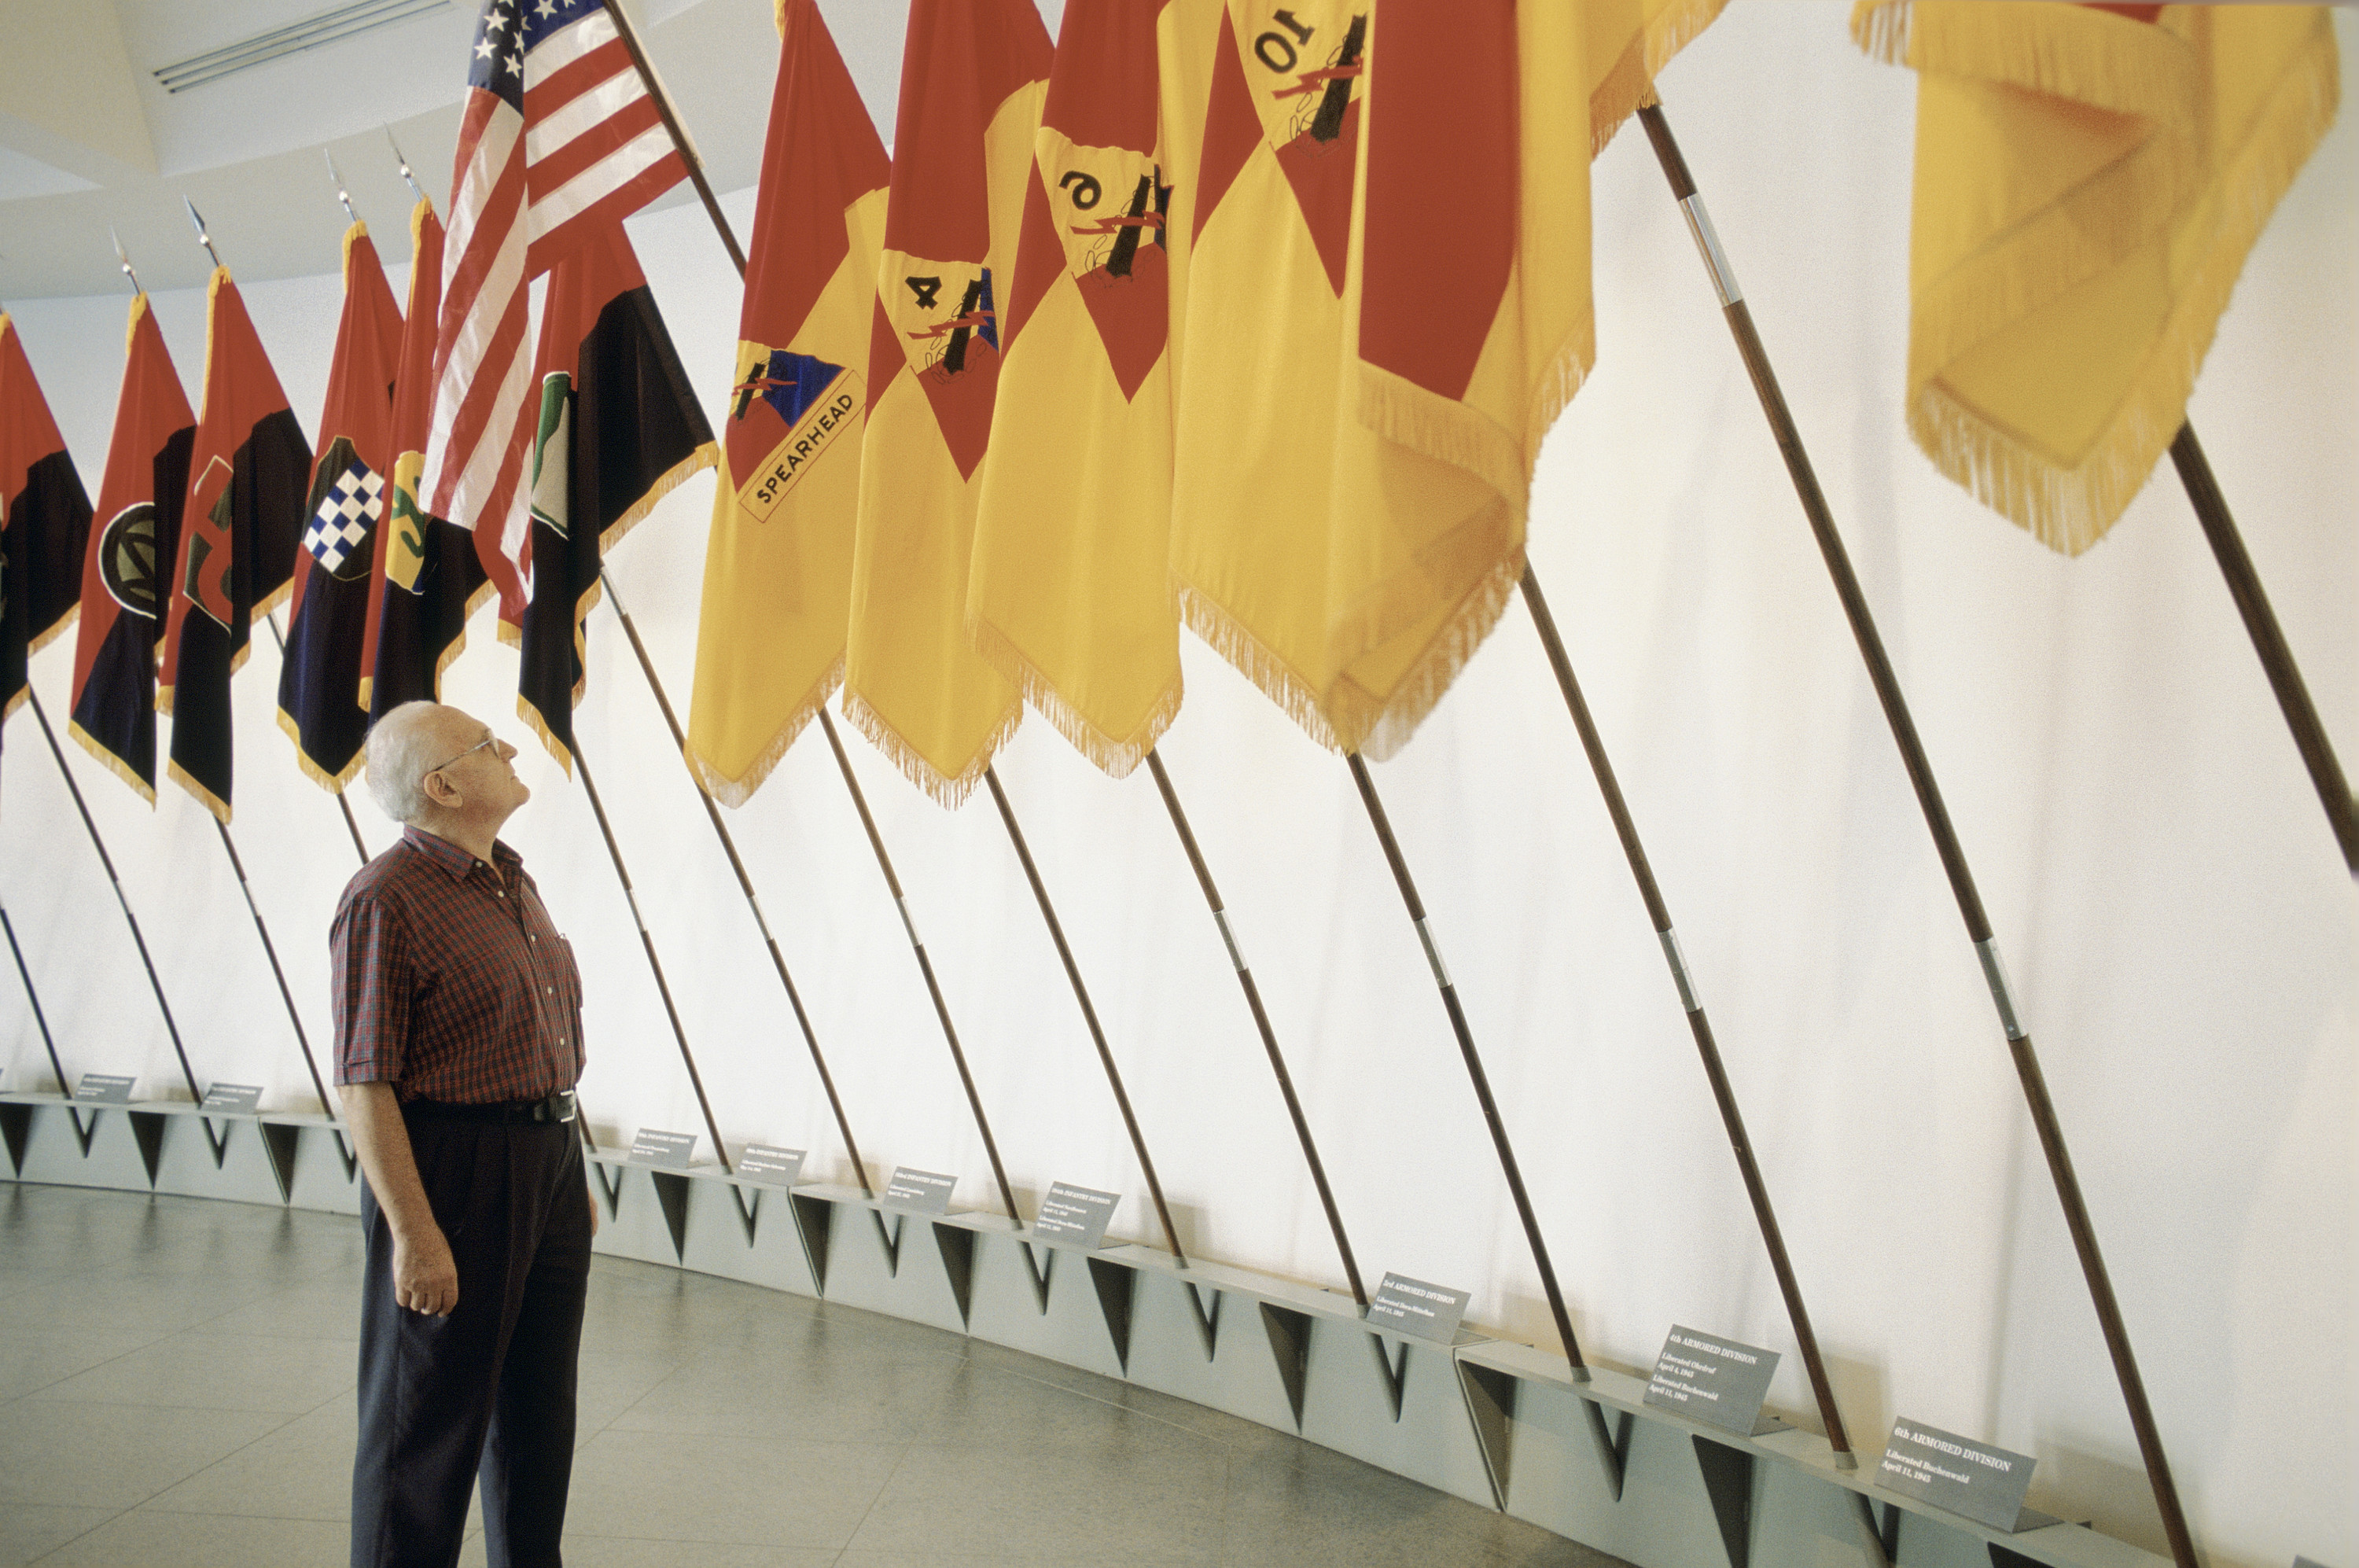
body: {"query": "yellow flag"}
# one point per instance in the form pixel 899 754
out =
pixel 972 81
pixel 1348 522
pixel 777 573
pixel 2089 179
pixel 1070 591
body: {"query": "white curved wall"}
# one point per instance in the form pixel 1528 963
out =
pixel 2161 875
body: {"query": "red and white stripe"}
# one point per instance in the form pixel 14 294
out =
pixel 589 148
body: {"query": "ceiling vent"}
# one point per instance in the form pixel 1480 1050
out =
pixel 313 32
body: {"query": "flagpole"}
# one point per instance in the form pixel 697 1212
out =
pixel 1609 1455
pixel 1937 819
pixel 277 973
pixel 138 939
pixel 695 168
pixel 746 885
pixel 1089 1013
pixel 1724 1094
pixel 695 1078
pixel 2268 641
pixel 1261 1021
pixel 350 826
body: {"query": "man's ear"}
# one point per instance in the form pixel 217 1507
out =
pixel 437 787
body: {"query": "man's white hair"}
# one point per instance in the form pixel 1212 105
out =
pixel 400 755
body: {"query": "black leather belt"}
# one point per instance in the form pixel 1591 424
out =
pixel 557 1107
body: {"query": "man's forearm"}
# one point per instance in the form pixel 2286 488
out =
pixel 381 1139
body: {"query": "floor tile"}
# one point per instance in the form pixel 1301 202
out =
pixel 1125 1502
pixel 29 1531
pixel 198 1540
pixel 216 1372
pixel 112 1455
pixel 33 1357
pixel 303 1471
pixel 751 1491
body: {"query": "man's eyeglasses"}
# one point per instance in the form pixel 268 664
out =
pixel 487 740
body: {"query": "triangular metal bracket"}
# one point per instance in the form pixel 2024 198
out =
pixel 16 1132
pixel 83 1133
pixel 1116 1287
pixel 1036 1264
pixel 344 1152
pixel 1613 1444
pixel 610 1188
pixel 279 1143
pixel 1490 1397
pixel 148 1132
pixel 1290 1346
pixel 1208 1317
pixel 956 1244
pixel 1394 1371
pixel 749 1209
pixel 812 1217
pixel 1728 1481
pixel 671 1196
pixel 889 1238
pixel 2008 1557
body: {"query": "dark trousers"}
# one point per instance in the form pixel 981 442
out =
pixel 487 1391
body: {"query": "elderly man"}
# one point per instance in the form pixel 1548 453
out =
pixel 458 1013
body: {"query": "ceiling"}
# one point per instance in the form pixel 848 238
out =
pixel 90 138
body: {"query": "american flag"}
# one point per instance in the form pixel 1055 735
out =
pixel 559 135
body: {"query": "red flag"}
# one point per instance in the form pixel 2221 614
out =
pixel 44 520
pixel 124 575
pixel 247 475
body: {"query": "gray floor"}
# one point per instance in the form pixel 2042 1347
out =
pixel 175 1386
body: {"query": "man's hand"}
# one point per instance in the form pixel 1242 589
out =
pixel 425 1280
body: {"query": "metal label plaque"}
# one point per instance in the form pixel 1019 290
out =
pixel 1982 1483
pixel 770 1165
pixel 1709 1379
pixel 233 1096
pixel 1413 1307
pixel 1075 1214
pixel 919 1191
pixel 104 1089
pixel 672 1150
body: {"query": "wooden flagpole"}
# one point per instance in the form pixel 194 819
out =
pixel 1724 1095
pixel 1937 819
pixel 746 885
pixel 1609 1452
pixel 1261 1022
pixel 655 965
pixel 2277 657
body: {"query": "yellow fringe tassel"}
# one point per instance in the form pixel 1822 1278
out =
pixel 735 793
pixel 1113 755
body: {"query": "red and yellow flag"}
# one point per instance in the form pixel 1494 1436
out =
pixel 1069 594
pixel 126 573
pixel 345 512
pixel 777 569
pixel 1348 516
pixel 973 74
pixel 2089 180
pixel 247 476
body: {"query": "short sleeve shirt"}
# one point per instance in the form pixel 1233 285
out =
pixel 450 982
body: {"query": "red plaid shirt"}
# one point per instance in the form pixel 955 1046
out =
pixel 450 982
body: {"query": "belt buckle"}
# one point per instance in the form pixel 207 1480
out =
pixel 558 1107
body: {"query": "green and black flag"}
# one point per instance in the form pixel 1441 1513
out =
pixel 44 520
pixel 619 427
pixel 239 532
pixel 126 581
pixel 427 581
pixel 320 704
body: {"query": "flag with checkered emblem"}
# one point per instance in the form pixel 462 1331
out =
pixel 319 684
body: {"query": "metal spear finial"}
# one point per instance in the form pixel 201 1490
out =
pixel 124 259
pixel 406 175
pixel 342 195
pixel 203 238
